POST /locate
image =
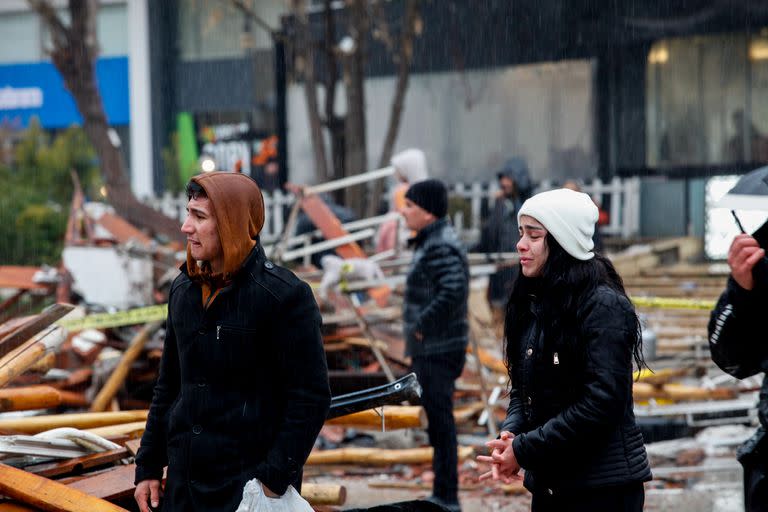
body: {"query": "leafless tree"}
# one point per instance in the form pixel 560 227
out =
pixel 74 53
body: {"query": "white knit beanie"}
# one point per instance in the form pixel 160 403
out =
pixel 570 217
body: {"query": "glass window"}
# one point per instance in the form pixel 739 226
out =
pixel 112 27
pixel 704 94
pixel 23 29
pixel 212 29
pixel 209 30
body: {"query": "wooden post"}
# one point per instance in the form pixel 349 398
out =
pixel 20 359
pixel 108 392
pixel 379 457
pixel 45 494
pixel 395 417
pixel 28 398
pixel 37 424
pixel 324 494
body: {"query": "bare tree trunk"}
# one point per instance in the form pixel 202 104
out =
pixel 307 64
pixel 334 124
pixel 354 76
pixel 403 60
pixel 74 54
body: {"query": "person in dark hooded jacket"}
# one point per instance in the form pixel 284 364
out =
pixel 738 345
pixel 571 337
pixel 499 234
pixel 243 386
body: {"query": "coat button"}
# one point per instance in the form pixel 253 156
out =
pixel 201 332
pixel 530 400
pixel 201 384
pixel 550 492
pixel 529 352
pixel 269 264
pixel 197 429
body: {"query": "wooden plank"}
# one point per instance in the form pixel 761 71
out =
pixel 395 417
pixel 37 424
pixel 28 398
pixel 379 456
pixel 132 429
pixel 33 327
pixel 40 492
pixel 324 494
pixel 78 464
pixel 8 303
pixel 133 446
pixel 109 485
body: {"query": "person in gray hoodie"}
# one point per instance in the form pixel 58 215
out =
pixel 410 167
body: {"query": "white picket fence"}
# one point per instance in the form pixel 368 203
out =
pixel 620 196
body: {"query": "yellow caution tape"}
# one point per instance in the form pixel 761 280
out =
pixel 160 311
pixel 663 303
pixel 128 317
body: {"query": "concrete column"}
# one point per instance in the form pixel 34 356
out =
pixel 140 98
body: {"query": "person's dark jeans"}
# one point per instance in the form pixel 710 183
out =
pixel 437 375
pixel 622 498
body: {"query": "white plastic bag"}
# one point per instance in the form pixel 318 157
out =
pixel 254 500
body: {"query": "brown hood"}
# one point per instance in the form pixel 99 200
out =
pixel 239 209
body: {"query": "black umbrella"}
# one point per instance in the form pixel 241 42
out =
pixel 749 193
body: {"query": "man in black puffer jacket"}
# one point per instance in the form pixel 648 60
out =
pixel 738 344
pixel 435 318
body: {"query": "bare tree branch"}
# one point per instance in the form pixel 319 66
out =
pixel 307 62
pixel 404 57
pixel 59 33
pixel 74 54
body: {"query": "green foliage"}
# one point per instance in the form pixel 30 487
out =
pixel 38 192
pixel 170 155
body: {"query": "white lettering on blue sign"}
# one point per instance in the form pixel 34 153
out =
pixel 13 98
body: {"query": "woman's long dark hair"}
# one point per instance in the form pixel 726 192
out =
pixel 564 283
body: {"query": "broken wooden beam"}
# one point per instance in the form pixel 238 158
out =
pixel 132 430
pixel 395 417
pixel 37 424
pixel 324 494
pixel 34 326
pixel 77 464
pixel 30 352
pixel 379 456
pixel 44 494
pixel 29 398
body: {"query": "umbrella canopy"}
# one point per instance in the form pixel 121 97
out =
pixel 749 193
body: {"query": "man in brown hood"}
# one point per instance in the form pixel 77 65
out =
pixel 243 385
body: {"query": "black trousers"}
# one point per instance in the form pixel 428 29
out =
pixel 623 498
pixel 437 375
pixel 756 487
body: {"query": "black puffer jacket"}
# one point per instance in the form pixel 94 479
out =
pixel 436 292
pixel 571 400
pixel 242 392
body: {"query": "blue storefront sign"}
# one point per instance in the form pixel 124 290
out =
pixel 37 89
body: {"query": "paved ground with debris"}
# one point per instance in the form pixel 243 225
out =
pixel 712 494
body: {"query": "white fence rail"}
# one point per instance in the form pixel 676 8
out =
pixel 620 197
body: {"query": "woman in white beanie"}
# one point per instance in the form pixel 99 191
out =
pixel 571 337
